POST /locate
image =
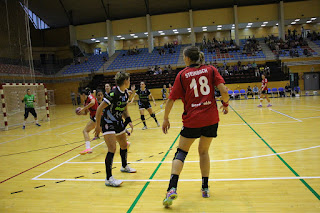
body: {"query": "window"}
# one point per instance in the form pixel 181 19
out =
pixel 37 22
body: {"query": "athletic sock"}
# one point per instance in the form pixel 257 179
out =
pixel 173 182
pixel 37 122
pixel 205 182
pixel 123 153
pixel 154 117
pixel 24 123
pixel 87 144
pixel 144 122
pixel 108 162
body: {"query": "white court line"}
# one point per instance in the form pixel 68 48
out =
pixel 310 117
pixel 69 131
pixel 63 163
pixel 286 115
pixel 187 180
pixel 223 160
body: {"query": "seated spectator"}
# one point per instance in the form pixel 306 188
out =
pixel 245 68
pixel 255 90
pixel 249 92
pixel 306 52
pixel 288 88
pixel 169 68
pixel 261 69
pixel 256 72
pixel 267 70
pixel 165 70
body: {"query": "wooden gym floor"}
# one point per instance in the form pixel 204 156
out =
pixel 263 160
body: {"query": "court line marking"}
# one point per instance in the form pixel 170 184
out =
pixel 285 115
pixel 151 177
pixel 35 178
pixel 188 180
pixel 283 161
pixel 310 117
pixel 223 160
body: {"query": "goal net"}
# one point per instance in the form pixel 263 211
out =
pixel 12 107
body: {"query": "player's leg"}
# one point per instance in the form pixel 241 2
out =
pixel 153 115
pixel 26 114
pixel 143 118
pixel 33 112
pixel 261 98
pixel 90 126
pixel 110 139
pixel 203 149
pixel 177 165
pixel 122 140
pixel 268 99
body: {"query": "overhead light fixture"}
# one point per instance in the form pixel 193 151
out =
pixel 122 38
pixel 97 41
pixel 93 39
pixel 119 36
pixel 105 37
pixel 219 26
pixel 189 28
pixel 312 19
pixel 309 22
pixel 265 22
pixel 249 24
pixel 233 27
pixel 293 22
pixel 146 33
pixel 277 24
pixel 176 32
pixel 263 25
pixel 160 31
pixel 205 29
pixel 132 34
pixel 135 36
pixel 297 20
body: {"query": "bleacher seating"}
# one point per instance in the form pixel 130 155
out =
pixel 286 53
pixel 94 63
pixel 16 69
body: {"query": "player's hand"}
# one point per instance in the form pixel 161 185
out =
pixel 97 130
pixel 165 126
pixel 225 110
pixel 131 126
pixel 155 104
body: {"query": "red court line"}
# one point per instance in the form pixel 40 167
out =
pixel 40 164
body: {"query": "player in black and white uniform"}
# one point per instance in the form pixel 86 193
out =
pixel 113 127
pixel 144 103
pixel 164 95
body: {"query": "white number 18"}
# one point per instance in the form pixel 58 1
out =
pixel 204 87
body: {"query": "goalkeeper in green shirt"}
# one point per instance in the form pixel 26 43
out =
pixel 28 100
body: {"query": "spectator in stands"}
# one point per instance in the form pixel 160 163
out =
pixel 255 90
pixel 302 32
pixel 85 59
pixel 215 63
pixel 249 92
pixel 165 70
pixel 78 98
pixel 261 69
pixel 245 68
pixel 239 63
pixel 306 52
pixel 73 98
pixel 288 88
pixel 256 72
pixel 254 65
pixel 169 68
pixel 78 60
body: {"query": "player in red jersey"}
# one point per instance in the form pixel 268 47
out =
pixel 195 86
pixel 264 91
pixel 91 105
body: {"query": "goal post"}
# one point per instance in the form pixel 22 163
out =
pixel 12 107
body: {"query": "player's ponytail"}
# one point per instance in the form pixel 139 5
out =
pixel 195 55
pixel 201 58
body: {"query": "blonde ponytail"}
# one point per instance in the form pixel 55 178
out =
pixel 201 58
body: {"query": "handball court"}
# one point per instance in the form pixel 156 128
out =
pixel 263 160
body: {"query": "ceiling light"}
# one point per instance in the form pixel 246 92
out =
pixel 132 34
pixel 119 36
pixel 205 29
pixel 160 31
pixel 277 24
pixel 135 36
pixel 105 37
pixel 265 22
pixel 176 32
pixel 232 27
pixel 189 28
pixel 297 19
pixel 313 19
pixel 219 26
pixel 93 39
pixel 309 22
pixel 293 22
pixel 97 41
pixel 146 33
pixel 263 25
pixel 249 24
pixel 122 38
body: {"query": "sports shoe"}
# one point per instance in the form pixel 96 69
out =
pixel 170 196
pixel 259 105
pixel 205 192
pixel 145 127
pixel 89 151
pixel 269 105
pixel 128 145
pixel 96 138
pixel 128 169
pixel 38 124
pixel 158 124
pixel 113 182
pixel 23 127
pixel 161 106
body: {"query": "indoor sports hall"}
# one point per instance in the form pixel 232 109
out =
pixel 60 63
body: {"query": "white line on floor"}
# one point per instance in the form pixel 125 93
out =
pixel 286 115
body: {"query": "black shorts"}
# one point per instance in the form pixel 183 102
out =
pixel 31 110
pixel 264 91
pixel 144 105
pixel 116 128
pixel 164 97
pixel 93 118
pixel 207 131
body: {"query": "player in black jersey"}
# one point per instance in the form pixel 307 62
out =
pixel 113 127
pixel 144 103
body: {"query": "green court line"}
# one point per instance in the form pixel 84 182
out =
pixel 151 177
pixel 283 161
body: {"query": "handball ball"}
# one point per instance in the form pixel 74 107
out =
pixel 78 111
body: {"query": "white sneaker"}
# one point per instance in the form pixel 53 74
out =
pixel 113 182
pixel 161 106
pixel 158 124
pixel 145 127
pixel 128 169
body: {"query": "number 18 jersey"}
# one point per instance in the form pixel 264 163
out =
pixel 195 86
